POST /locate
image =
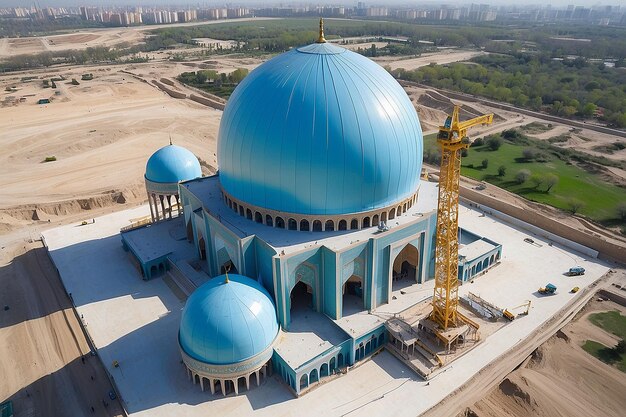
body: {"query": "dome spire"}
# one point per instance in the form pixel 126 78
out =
pixel 321 39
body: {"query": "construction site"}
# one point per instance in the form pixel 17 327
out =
pixel 267 278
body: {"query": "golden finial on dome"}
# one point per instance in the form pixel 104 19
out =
pixel 321 39
pixel 226 281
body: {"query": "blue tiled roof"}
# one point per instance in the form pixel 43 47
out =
pixel 172 164
pixel 226 323
pixel 320 130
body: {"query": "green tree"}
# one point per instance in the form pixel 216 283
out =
pixel 550 181
pixel 537 180
pixel 522 176
pixel 494 143
pixel 238 75
pixel 575 205
pixel 588 110
pixel 485 163
pixel 501 171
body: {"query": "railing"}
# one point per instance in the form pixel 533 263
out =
pixel 136 225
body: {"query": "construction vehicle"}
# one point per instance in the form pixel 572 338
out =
pixel 452 138
pixel 577 270
pixel 548 289
pixel 506 313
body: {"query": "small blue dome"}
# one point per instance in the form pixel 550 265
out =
pixel 320 130
pixel 228 322
pixel 172 164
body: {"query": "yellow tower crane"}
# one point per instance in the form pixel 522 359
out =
pixel 452 138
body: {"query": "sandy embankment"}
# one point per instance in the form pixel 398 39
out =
pixel 42 345
pixel 560 378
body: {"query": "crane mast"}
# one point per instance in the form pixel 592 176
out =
pixel 452 138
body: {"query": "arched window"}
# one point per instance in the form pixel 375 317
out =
pixel 343 225
pixel 330 226
pixel 258 217
pixel 392 214
pixel 366 222
pixel 375 220
pixel 235 207
pixel 292 224
pixel 241 213
pixel 268 220
pixel 404 208
pixel 354 224
pixel 304 225
pixel 317 226
pixel 280 223
pixel 399 210
pixel 383 216
pixel 249 214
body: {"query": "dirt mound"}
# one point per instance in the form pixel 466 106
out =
pixel 16 215
pixel 559 379
pixel 512 389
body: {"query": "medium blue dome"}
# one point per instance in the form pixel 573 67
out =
pixel 228 322
pixel 320 130
pixel 172 164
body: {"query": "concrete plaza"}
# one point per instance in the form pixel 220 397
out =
pixel 135 322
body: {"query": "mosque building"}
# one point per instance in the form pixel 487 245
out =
pixel 316 216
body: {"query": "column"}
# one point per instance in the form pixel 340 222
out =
pixel 156 207
pixel 236 385
pixel 162 206
pixel 151 209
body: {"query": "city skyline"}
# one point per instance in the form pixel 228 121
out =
pixel 260 3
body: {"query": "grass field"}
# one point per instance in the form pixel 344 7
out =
pixel 611 321
pixel 605 354
pixel 599 198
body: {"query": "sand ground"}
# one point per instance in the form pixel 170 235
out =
pixel 101 133
pixel 42 345
pixel 560 378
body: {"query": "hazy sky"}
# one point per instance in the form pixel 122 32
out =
pixel 258 3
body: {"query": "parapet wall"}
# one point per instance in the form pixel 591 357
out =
pixel 207 102
pixel 172 93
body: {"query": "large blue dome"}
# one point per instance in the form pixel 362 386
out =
pixel 320 130
pixel 172 164
pixel 228 322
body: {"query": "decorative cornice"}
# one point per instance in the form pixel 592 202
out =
pixel 227 371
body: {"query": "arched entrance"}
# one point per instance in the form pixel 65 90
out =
pixel 302 296
pixel 189 231
pixel 405 267
pixel 352 300
pixel 202 248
